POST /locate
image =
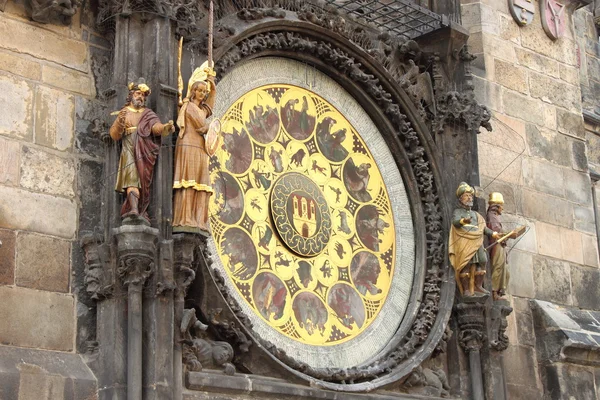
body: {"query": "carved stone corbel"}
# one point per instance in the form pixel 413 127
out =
pixel 54 11
pixel 96 280
pixel 499 312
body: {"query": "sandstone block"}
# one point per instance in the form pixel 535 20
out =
pixel 46 173
pixel 14 64
pixel 579 157
pixel 590 250
pixel 44 320
pixel 16 105
pixel 521 274
pixel 507 190
pixel 537 62
pixel 23 210
pixel 9 162
pixel 511 76
pixel 498 48
pixel 593 66
pixel 535 39
pixel 523 366
pixel 569 74
pixel 549 145
pixel 527 242
pixel 543 176
pixel 87 140
pixel 584 219
pixel 7 256
pixel 525 331
pixel 488 93
pixel 571 123
pixel 578 187
pixel 549 240
pixel 552 280
pixel 43 262
pixel 586 287
pixel 545 208
pixel 572 247
pixel 54 116
pixel 554 91
pixel 508 30
pixel 68 80
pixel 499 163
pixel 550 116
pixel 516 105
pixel 22 37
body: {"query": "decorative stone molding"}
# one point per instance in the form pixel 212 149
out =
pixel 136 247
pixel 421 166
pixel 471 323
pixel 185 246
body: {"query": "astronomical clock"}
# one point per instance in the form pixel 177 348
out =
pixel 310 217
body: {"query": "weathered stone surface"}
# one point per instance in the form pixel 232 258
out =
pixel 579 158
pixel 578 187
pixel 523 392
pixel 537 62
pixel 89 127
pixel 7 256
pixel 549 144
pixel 547 208
pixel 554 91
pixel 572 247
pixel 89 187
pixel 508 30
pixel 20 209
pixel 43 262
pixel 586 287
pixel 9 162
pixel 535 39
pixel 593 66
pixel 488 93
pixel 54 118
pixel 498 48
pixel 523 366
pixel 521 274
pixel 511 76
pixel 543 176
pixel 593 148
pixel 549 240
pixel 47 173
pixel 28 374
pixel 19 65
pixel 552 280
pixel 590 250
pixel 507 190
pixel 45 319
pixel 22 37
pixel 550 116
pixel 584 219
pixel 500 163
pixel 569 74
pixel 527 242
pixel 571 123
pixel 567 381
pixel 526 334
pixel 519 106
pixel 101 68
pixel 68 80
pixel 16 105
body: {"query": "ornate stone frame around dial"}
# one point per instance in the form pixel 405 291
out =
pixel 410 142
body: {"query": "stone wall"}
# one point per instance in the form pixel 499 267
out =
pixel 536 157
pixel 49 175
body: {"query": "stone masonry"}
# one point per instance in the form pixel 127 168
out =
pixel 536 157
pixel 49 175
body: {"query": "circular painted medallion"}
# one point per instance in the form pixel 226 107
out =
pixel 300 214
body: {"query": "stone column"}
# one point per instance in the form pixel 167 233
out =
pixel 471 337
pixel 136 247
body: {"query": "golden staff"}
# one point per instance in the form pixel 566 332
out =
pixel 210 34
pixel 179 77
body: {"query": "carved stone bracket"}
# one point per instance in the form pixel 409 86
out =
pixel 53 11
pixel 136 246
pixel 185 263
pixel 96 279
pixel 499 311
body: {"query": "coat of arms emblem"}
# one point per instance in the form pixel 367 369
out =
pixel 522 11
pixel 553 18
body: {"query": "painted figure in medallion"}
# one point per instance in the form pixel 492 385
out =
pixel 465 246
pixel 192 179
pixel 137 127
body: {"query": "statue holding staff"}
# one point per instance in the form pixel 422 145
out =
pixel 137 126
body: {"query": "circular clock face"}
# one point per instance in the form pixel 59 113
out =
pixel 303 222
pixel 313 252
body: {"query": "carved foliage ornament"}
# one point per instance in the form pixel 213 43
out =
pixel 420 164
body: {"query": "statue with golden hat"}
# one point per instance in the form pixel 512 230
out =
pixel 465 247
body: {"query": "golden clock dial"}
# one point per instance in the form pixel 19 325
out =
pixel 301 217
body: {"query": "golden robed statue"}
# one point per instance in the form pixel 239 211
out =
pixel 197 141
